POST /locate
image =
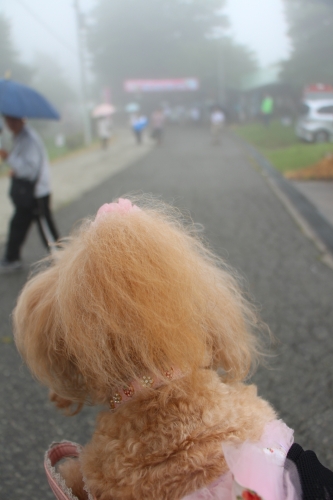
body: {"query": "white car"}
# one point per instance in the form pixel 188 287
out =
pixel 315 123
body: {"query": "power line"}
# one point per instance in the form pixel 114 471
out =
pixel 47 27
pixel 87 126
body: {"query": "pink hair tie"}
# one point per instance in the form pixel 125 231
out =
pixel 123 206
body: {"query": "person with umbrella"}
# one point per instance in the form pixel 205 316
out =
pixel 103 114
pixel 29 170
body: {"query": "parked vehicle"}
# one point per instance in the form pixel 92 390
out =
pixel 315 123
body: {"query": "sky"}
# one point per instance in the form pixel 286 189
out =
pixel 261 25
pixel 49 26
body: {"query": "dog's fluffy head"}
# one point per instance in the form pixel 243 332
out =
pixel 132 293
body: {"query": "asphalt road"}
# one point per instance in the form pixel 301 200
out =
pixel 245 223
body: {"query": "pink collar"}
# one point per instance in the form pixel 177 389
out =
pixel 136 386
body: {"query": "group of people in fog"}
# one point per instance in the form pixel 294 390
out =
pixel 139 123
pixel 28 160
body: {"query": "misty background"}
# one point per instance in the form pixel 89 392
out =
pixel 223 43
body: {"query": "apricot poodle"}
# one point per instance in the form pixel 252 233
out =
pixel 135 313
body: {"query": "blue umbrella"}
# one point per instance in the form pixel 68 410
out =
pixel 20 101
pixel 140 124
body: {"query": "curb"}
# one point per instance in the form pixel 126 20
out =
pixel 304 212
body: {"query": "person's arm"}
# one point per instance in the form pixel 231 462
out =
pixel 25 159
pixel 3 154
pixel 316 479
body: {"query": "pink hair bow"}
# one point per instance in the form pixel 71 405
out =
pixel 123 206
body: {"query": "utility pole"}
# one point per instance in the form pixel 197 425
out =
pixel 83 81
pixel 220 73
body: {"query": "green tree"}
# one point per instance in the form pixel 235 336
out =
pixel 50 80
pixel 311 32
pixel 165 38
pixel 152 38
pixel 237 61
pixel 9 58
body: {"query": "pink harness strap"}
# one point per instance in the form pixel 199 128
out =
pixel 253 466
pixel 56 452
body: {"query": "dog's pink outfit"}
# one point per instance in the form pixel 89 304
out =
pixel 257 470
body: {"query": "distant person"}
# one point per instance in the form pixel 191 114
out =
pixel 138 124
pixel 217 120
pixel 157 124
pixel 104 130
pixel 266 109
pixel 195 115
pixel 29 165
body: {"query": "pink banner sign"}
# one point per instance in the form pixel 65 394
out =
pixel 165 85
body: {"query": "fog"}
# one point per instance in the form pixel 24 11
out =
pixel 226 45
pixel 224 108
pixel 259 24
pixel 262 26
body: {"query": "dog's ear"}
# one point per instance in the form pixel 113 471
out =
pixel 40 339
pixel 237 331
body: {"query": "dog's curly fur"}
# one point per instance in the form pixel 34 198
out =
pixel 133 294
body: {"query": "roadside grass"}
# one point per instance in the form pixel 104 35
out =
pixel 56 152
pixel 272 137
pixel 73 143
pixel 279 144
pixel 297 157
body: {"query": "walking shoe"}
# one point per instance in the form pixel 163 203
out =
pixel 10 266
